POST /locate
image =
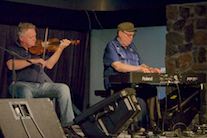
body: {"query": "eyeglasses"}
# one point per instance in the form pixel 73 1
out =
pixel 129 35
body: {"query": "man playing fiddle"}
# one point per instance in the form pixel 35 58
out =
pixel 32 81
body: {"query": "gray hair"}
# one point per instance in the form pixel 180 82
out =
pixel 23 27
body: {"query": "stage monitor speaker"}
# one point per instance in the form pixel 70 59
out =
pixel 111 116
pixel 23 118
pixel 182 106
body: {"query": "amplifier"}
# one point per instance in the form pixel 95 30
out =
pixel 111 116
pixel 23 118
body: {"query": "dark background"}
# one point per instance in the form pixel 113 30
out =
pixel 88 14
pixel 76 22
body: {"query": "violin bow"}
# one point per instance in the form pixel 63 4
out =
pixel 46 35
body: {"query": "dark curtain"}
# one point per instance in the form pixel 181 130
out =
pixel 72 67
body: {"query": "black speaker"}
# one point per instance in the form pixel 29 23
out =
pixel 182 106
pixel 23 118
pixel 111 116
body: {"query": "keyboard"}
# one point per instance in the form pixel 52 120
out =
pixel 138 77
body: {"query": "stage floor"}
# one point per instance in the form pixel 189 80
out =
pixel 166 134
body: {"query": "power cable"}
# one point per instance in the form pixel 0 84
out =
pixel 97 19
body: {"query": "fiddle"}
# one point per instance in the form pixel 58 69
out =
pixel 51 45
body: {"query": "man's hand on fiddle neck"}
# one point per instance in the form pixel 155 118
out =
pixel 64 43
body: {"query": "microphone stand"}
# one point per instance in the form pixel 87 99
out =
pixel 13 77
pixel 13 54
